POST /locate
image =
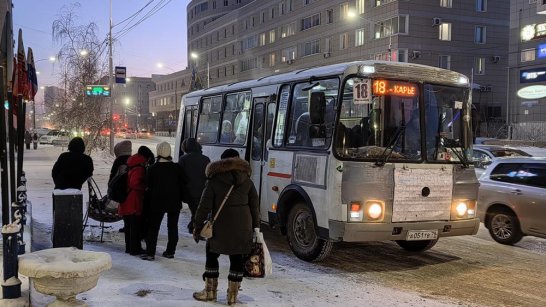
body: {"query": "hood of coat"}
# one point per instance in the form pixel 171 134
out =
pixel 222 170
pixel 136 160
pixel 76 145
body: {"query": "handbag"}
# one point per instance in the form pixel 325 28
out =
pixel 258 264
pixel 206 231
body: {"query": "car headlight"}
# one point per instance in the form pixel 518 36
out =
pixel 463 209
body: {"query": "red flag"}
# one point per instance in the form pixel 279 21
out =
pixel 21 82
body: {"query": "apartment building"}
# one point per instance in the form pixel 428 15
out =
pixel 131 103
pixel 166 98
pixel 527 65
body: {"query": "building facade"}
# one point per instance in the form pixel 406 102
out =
pixel 527 65
pixel 131 103
pixel 165 99
pixel 236 40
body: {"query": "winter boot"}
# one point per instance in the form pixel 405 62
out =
pixel 209 293
pixel 233 290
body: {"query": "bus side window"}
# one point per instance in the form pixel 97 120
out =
pixel 209 120
pixel 271 108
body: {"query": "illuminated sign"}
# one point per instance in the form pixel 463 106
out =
pixel 533 31
pixel 394 88
pixel 97 91
pixel 532 92
pixel 532 75
pixel 541 51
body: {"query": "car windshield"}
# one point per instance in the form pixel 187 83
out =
pixel 385 125
pixel 509 153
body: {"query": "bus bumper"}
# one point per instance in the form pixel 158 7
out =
pixel 361 232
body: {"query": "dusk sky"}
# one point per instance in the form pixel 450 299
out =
pixel 160 38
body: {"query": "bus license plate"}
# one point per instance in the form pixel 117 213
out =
pixel 416 235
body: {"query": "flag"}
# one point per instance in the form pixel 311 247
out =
pixel 195 80
pixel 20 86
pixel 32 77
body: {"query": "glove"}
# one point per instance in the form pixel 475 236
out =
pixel 196 237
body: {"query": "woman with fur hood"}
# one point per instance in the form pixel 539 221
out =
pixel 233 229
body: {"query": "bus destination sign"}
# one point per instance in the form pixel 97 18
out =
pixel 394 88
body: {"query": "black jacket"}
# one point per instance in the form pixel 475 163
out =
pixel 166 186
pixel 121 160
pixel 233 229
pixel 194 164
pixel 73 167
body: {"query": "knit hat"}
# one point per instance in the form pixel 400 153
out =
pixel 123 148
pixel 163 150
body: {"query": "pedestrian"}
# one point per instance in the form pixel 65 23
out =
pixel 28 139
pixel 131 209
pixel 166 185
pixel 73 167
pixel 145 220
pixel 170 131
pixel 233 229
pixel 122 151
pixel 35 140
pixel 194 163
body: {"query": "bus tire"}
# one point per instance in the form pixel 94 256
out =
pixel 302 237
pixel 416 246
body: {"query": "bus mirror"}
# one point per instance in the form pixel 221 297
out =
pixel 317 131
pixel 317 107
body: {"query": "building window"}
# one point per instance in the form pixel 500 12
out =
pixel 249 43
pixel 306 2
pixel 528 55
pixel 225 2
pixel 289 5
pixel 479 35
pixel 377 3
pixel 281 8
pixel 252 21
pixel 359 37
pixel 288 54
pixel 444 31
pixel 213 4
pixel 272 36
pixel 444 61
pixel 479 66
pixel 262 17
pixel 309 22
pixel 249 64
pixel 329 16
pixel 392 26
pixel 326 45
pixel 344 41
pixel 272 13
pixel 481 5
pixel 403 55
pixel 312 47
pixel 446 3
pixel 238 1
pixel 288 30
pixel 272 59
pixel 360 7
pixel 344 10
pixel 262 39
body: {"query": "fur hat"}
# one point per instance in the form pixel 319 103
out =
pixel 123 148
pixel 163 150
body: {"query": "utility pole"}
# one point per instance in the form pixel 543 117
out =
pixel 111 85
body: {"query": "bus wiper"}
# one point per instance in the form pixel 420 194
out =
pixel 390 146
pixel 454 146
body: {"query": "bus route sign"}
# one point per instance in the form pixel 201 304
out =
pixel 97 91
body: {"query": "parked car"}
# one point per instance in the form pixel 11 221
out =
pixel 512 199
pixel 62 139
pixel 47 138
pixel 483 155
pixel 41 131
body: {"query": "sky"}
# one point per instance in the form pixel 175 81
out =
pixel 159 39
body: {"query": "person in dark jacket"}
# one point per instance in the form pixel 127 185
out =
pixel 28 139
pixel 72 167
pixel 35 140
pixel 166 185
pixel 131 208
pixel 233 229
pixel 122 151
pixel 194 163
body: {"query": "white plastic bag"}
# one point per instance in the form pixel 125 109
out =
pixel 268 264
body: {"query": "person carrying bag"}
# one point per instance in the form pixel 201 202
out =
pixel 229 190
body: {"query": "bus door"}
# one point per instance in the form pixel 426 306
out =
pixel 262 123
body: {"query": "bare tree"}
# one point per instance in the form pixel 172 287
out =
pixel 83 62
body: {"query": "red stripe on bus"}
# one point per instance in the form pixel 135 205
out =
pixel 280 175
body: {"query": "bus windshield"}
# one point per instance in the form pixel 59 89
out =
pixel 379 119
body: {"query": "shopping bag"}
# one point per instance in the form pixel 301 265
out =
pixel 258 263
pixel 268 264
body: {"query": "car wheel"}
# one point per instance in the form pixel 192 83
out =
pixel 504 227
pixel 417 246
pixel 302 238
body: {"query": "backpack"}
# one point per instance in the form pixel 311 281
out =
pixel 117 187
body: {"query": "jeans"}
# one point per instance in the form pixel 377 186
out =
pixel 153 231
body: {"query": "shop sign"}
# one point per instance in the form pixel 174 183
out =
pixel 532 75
pixel 532 92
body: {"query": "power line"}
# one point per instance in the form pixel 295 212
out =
pixel 153 11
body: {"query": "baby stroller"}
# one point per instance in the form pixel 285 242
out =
pixel 100 208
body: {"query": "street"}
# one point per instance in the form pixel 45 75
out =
pixel 469 271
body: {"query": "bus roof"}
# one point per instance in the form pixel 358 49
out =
pixel 385 69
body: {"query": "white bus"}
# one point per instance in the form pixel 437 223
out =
pixel 359 151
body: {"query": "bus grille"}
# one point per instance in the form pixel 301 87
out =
pixel 422 194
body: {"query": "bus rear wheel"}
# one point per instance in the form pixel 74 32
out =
pixel 302 238
pixel 417 246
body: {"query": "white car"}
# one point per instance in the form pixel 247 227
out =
pixel 484 155
pixel 52 135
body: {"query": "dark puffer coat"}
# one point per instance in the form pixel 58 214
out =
pixel 232 231
pixel 73 167
pixel 166 186
pixel 194 164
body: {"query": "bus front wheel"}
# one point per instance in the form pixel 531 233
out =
pixel 302 238
pixel 417 246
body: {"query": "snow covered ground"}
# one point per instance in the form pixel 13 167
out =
pixel 171 282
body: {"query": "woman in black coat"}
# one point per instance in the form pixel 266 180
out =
pixel 72 167
pixel 233 229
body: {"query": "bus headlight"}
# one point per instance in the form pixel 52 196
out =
pixel 375 210
pixel 463 209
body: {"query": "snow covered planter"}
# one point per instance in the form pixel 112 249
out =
pixel 64 272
